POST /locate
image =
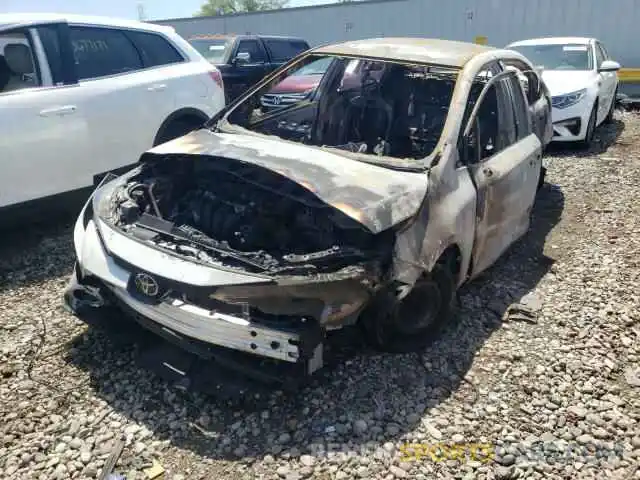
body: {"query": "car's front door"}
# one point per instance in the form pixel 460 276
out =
pixel 44 136
pixel 250 64
pixel 504 158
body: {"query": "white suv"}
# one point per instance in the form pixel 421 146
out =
pixel 82 96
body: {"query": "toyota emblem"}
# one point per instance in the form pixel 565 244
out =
pixel 146 284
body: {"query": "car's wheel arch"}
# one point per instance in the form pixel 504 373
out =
pixel 187 114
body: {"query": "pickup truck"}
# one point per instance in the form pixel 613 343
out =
pixel 244 60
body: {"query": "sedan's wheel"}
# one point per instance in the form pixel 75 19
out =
pixel 591 128
pixel 408 325
pixel 612 108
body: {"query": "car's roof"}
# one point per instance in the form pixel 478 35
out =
pixel 214 36
pixel 19 19
pixel 552 41
pixel 416 50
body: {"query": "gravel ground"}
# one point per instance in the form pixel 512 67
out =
pixel 551 392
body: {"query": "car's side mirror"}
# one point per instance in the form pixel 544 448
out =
pixel 534 87
pixel 242 58
pixel 609 66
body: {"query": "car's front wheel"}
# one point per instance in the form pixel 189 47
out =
pixel 591 128
pixel 612 108
pixel 410 324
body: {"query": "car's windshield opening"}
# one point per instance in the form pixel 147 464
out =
pixel 364 106
pixel 213 49
pixel 558 57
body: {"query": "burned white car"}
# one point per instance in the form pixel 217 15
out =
pixel 370 201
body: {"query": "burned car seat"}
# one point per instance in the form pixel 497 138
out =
pixel 356 117
pixel 20 63
pixel 420 107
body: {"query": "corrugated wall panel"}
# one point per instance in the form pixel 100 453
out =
pixel 616 23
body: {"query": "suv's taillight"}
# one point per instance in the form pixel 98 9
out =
pixel 216 76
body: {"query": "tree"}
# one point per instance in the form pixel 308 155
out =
pixel 225 7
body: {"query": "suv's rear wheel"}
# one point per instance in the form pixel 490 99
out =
pixel 178 128
pixel 410 324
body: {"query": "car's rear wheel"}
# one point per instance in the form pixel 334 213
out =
pixel 591 128
pixel 178 128
pixel 410 324
pixel 541 177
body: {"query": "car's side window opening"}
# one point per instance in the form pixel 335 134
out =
pixel 519 106
pixel 17 62
pixel 253 48
pixel 603 50
pixel 599 56
pixel 155 49
pixel 51 44
pixel 484 133
pixel 100 52
pixel 283 50
pixel 495 126
pixel 364 106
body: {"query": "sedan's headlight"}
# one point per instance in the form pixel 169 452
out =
pixel 565 101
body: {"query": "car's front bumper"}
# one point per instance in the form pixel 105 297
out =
pixel 100 280
pixel 570 124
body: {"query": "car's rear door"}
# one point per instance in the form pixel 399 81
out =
pixel 43 139
pixel 504 161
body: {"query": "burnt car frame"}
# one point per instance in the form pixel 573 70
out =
pixel 255 237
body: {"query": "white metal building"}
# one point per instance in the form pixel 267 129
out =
pixel 614 22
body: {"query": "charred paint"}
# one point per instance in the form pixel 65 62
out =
pixel 375 196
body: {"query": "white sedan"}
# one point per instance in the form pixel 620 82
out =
pixel 582 80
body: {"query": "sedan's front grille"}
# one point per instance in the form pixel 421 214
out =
pixel 273 100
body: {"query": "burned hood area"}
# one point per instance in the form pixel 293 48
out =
pixel 222 212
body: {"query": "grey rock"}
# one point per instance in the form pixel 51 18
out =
pixel 360 427
pixel 307 460
pixel 283 470
pixel 85 456
pixel 398 472
pixel 579 412
pixel 392 429
pixel 61 448
pixel 506 460
pixel 504 473
pixel 75 443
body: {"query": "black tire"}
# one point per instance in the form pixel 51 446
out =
pixel 409 325
pixel 541 177
pixel 612 108
pixel 591 127
pixel 176 129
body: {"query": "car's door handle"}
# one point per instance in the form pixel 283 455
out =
pixel 58 111
pixel 156 88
